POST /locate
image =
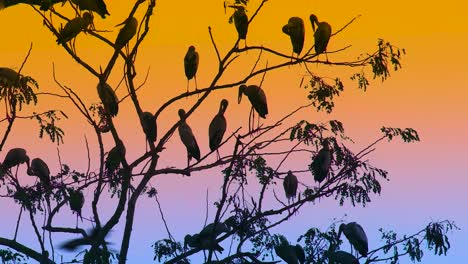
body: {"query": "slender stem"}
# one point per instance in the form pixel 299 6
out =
pixel 18 223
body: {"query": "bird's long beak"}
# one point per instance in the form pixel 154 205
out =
pixel 234 6
pixel 123 23
pixel 240 96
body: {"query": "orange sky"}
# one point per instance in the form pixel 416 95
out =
pixel 430 82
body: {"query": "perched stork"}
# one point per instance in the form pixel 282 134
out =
pixel 148 123
pixel 188 139
pixel 218 127
pixel 114 158
pixel 40 169
pixel 322 34
pixel 258 100
pixel 76 201
pixel 295 30
pixel 126 33
pixel 74 27
pixel 356 237
pixel 108 98
pixel 191 60
pixel 13 158
pixel 321 164
pixel 241 21
pixel 290 185
pixel 290 254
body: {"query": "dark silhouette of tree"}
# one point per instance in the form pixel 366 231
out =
pixel 240 217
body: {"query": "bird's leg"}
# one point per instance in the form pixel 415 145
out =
pixel 127 49
pixel 196 86
pixel 217 154
pixel 250 120
pixel 76 220
pixel 92 21
pixel 92 27
pixel 188 81
pixel 6 111
pixel 73 46
pixel 258 123
pixel 326 55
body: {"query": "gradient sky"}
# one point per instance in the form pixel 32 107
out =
pixel 428 179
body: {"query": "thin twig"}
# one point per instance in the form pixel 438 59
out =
pixel 214 45
pixel 163 218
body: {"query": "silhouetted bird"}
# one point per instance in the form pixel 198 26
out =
pixel 214 230
pixel 241 21
pixel 342 257
pixel 44 4
pixel 218 127
pixel 191 60
pixel 320 166
pixel 108 98
pixel 290 254
pixel 300 253
pixel 74 27
pixel 76 201
pixel 114 158
pixel 148 122
pixel 8 77
pixel 295 30
pixel 97 6
pixel 205 243
pixel 258 100
pixel 290 185
pixel 40 169
pixel 88 240
pixel 187 137
pixel 126 33
pixel 356 236
pixel 322 34
pixel 13 158
pixel 206 239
